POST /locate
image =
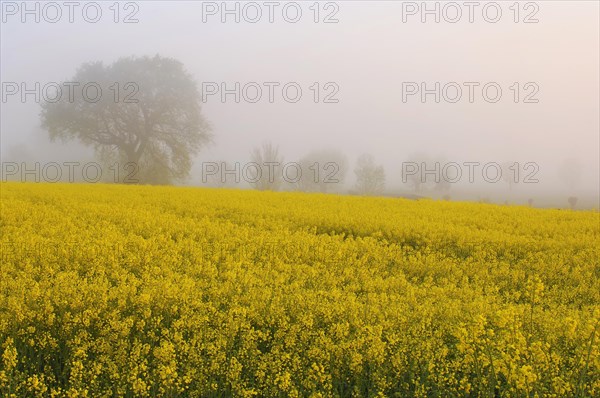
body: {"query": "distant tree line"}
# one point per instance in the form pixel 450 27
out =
pixel 146 111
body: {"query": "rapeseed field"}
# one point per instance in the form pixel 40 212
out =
pixel 139 291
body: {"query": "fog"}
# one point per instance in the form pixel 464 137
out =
pixel 370 57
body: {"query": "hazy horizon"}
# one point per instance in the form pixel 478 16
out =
pixel 368 54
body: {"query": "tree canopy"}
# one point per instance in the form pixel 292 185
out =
pixel 140 110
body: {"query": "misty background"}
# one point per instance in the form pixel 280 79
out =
pixel 368 54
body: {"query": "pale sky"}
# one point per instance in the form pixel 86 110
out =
pixel 368 54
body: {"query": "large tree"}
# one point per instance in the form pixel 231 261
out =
pixel 148 114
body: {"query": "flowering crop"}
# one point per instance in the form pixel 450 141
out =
pixel 140 291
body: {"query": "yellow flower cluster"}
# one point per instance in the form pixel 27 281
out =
pixel 141 291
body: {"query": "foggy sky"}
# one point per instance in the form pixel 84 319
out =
pixel 368 54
